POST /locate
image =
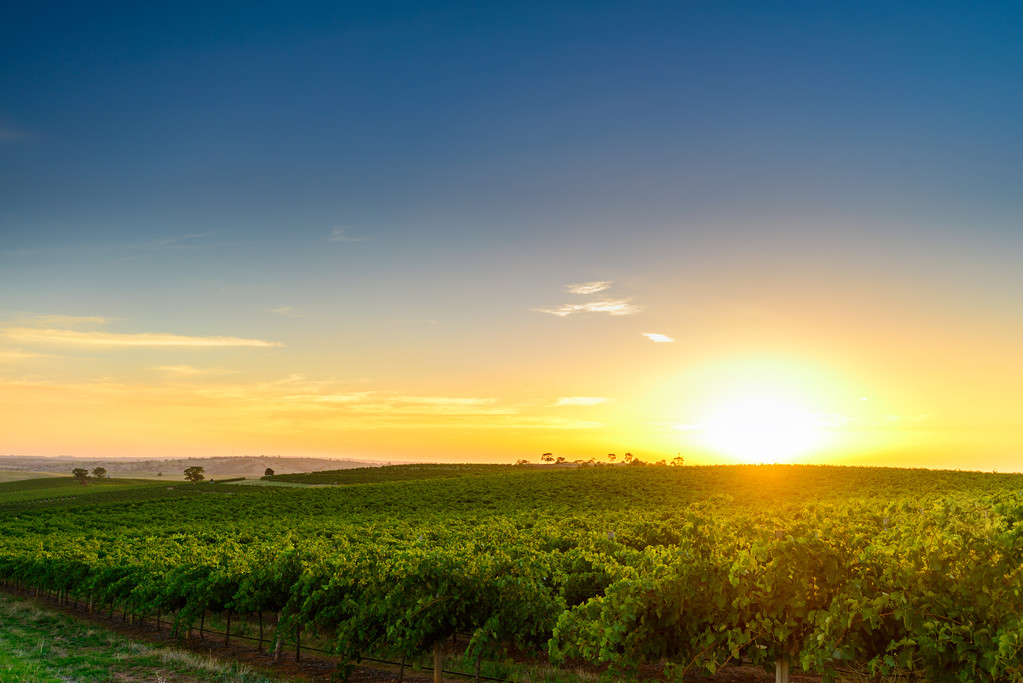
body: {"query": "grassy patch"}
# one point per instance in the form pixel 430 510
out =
pixel 40 646
pixel 18 475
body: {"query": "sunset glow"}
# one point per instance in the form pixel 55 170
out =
pixel 473 232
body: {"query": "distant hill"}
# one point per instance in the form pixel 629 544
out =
pixel 242 466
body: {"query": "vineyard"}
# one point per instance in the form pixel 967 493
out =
pixel 837 571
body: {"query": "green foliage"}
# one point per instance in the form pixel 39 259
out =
pixel 194 474
pixel 685 567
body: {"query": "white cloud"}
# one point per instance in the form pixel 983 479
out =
pixel 340 235
pixel 609 306
pixel 659 338
pixel 588 287
pixel 32 335
pixel 580 400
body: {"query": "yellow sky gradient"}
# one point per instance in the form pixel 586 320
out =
pixel 88 390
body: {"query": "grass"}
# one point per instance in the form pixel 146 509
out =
pixel 41 646
pixel 18 475
pixel 267 482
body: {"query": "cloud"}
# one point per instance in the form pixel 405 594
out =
pixel 381 404
pixel 74 321
pixel 187 370
pixel 288 312
pixel 98 339
pixel 18 354
pixel 588 287
pixel 609 306
pixel 340 235
pixel 122 251
pixel 579 400
pixel 9 133
pixel 659 338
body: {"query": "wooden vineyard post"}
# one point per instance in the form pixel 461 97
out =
pixel 298 642
pixel 781 664
pixel 259 648
pixel 781 670
pixel 227 634
pixel 437 659
pixel 277 639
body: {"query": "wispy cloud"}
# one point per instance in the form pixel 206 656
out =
pixel 122 251
pixel 659 338
pixel 9 133
pixel 341 235
pixel 288 312
pixel 588 287
pixel 579 401
pixel 99 339
pixel 72 321
pixel 18 354
pixel 188 370
pixel 382 403
pixel 609 306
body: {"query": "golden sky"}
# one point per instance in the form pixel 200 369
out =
pixel 471 233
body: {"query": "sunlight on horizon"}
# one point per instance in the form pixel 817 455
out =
pixel 762 429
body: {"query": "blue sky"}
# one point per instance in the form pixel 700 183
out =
pixel 418 182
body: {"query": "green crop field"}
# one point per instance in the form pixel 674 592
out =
pixel 848 573
pixel 62 488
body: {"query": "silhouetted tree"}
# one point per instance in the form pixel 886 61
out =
pixel 627 458
pixel 560 460
pixel 81 475
pixel 521 461
pixel 269 472
pixel 99 472
pixel 678 461
pixel 194 474
pixel 612 457
pixel 547 457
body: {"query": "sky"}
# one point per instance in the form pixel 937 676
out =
pixel 464 231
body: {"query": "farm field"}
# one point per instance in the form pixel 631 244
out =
pixel 42 646
pixel 17 475
pixel 65 488
pixel 844 573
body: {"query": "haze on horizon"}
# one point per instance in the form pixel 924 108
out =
pixel 453 231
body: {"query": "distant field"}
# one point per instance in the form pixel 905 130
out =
pixel 15 475
pixel 172 476
pixel 374 475
pixel 266 482
pixel 67 488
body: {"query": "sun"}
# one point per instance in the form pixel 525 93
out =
pixel 761 427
